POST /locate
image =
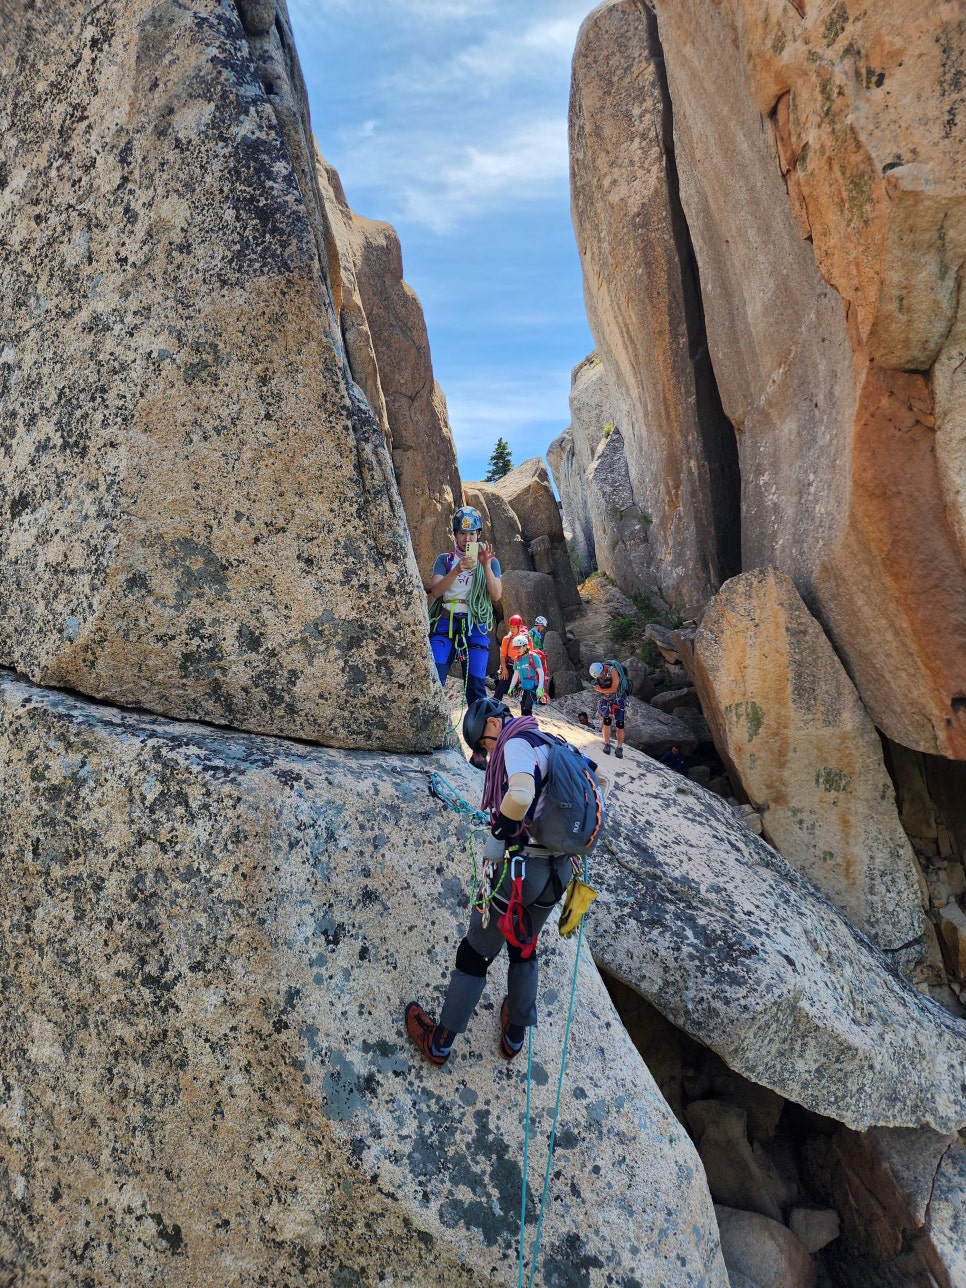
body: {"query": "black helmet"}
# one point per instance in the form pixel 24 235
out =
pixel 477 714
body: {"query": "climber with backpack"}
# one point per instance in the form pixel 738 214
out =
pixel 508 655
pixel 546 810
pixel 612 684
pixel 537 632
pixel 467 583
pixel 528 675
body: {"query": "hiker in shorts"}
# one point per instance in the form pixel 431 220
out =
pixel 467 583
pixel 528 675
pixel 608 682
pixel 508 655
pixel 515 768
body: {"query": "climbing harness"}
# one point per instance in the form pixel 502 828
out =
pixel 516 924
pixel 553 1125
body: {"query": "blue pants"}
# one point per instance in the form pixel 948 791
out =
pixel 473 652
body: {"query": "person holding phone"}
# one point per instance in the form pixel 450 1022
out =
pixel 467 583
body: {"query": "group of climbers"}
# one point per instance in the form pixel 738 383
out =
pixel 516 756
pixel 466 583
pixel 523 663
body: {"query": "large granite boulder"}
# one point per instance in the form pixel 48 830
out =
pixel 736 948
pixel 761 1253
pixel 423 451
pixel 500 525
pixel 645 727
pixel 207 943
pixel 346 293
pixel 605 527
pixel 202 514
pixel 788 720
pixel 832 316
pixel 644 305
pixel 900 1193
pixel 529 494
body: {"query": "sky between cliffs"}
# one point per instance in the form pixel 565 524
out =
pixel 448 118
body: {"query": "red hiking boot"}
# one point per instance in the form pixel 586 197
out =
pixel 421 1028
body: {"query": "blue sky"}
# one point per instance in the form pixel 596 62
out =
pixel 448 118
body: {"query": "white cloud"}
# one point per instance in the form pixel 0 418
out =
pixel 433 11
pixel 485 406
pixel 520 167
pixel 537 53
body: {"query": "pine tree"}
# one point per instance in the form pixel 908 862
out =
pixel 500 462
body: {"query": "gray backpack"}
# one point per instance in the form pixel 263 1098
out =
pixel 570 805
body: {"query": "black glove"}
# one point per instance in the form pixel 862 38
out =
pixel 505 829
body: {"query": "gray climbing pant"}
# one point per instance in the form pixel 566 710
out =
pixel 483 944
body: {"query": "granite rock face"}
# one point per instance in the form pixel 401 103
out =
pixel 423 452
pixel 605 526
pixel 901 1196
pixel 208 940
pixel 501 526
pixel 820 175
pixel 644 305
pixel 528 493
pixel 733 946
pixel 789 721
pixel 202 514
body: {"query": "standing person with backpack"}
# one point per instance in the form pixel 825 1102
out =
pixel 467 583
pixel 528 674
pixel 545 806
pixel 611 683
pixel 508 655
pixel 536 633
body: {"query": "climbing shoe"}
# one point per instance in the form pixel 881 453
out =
pixel 510 1046
pixel 619 753
pixel 606 748
pixel 422 1029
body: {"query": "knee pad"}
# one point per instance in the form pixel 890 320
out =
pixel 516 954
pixel 606 721
pixel 619 722
pixel 470 962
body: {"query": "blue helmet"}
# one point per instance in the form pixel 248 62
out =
pixel 466 519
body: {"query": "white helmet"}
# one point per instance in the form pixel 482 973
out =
pixel 596 670
pixel 540 621
pixel 521 641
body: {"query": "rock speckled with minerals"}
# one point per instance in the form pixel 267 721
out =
pixel 201 514
pixel 209 940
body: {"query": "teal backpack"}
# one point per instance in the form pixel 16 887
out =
pixel 528 671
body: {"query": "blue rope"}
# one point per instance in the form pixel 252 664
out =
pixel 553 1128
pixel 526 1152
pixel 448 794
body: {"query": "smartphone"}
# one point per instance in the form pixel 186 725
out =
pixel 473 551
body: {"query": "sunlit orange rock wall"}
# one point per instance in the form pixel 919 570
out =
pixel 820 167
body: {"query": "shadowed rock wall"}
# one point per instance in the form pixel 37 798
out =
pixel 200 512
